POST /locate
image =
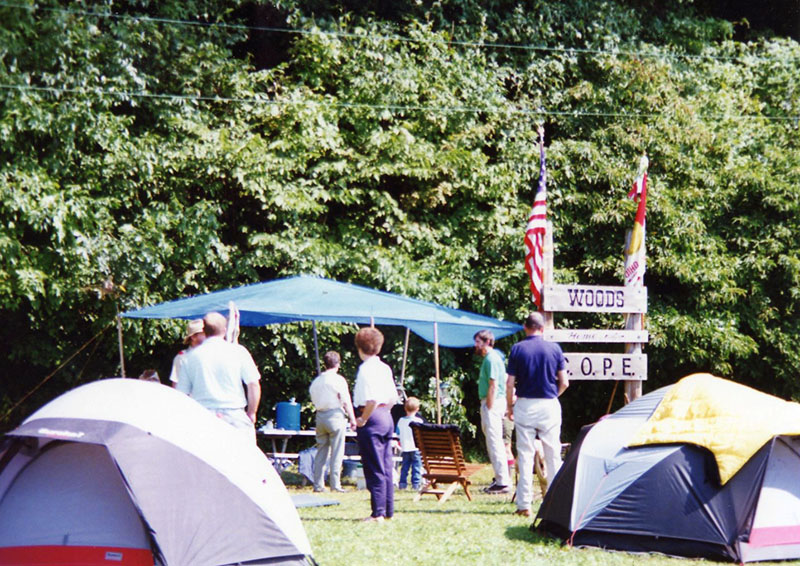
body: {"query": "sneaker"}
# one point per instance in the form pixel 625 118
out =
pixel 497 489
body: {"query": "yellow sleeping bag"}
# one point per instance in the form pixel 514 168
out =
pixel 731 420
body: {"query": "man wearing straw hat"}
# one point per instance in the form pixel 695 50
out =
pixel 194 337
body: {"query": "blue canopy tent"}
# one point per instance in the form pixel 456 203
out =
pixel 306 298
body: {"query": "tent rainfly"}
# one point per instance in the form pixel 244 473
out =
pixel 702 468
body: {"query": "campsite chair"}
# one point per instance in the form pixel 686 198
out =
pixel 443 460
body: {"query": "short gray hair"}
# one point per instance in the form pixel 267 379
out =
pixel 331 359
pixel 535 321
pixel 215 324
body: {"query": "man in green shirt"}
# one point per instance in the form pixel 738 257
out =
pixel 492 392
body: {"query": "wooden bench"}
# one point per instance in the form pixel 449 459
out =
pixel 443 460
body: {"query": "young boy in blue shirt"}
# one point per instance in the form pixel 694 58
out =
pixel 411 458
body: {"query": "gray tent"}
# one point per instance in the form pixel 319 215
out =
pixel 129 472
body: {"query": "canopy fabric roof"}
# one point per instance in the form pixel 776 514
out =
pixel 731 420
pixel 312 298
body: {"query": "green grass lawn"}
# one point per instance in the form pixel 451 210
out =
pixel 481 532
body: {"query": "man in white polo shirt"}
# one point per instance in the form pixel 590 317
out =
pixel 218 373
pixel 331 398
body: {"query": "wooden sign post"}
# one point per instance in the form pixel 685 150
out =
pixel 633 321
pixel 630 300
pixel 631 366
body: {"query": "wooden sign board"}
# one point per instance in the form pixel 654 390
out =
pixel 630 367
pixel 589 335
pixel 595 298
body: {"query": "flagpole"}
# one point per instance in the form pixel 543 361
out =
pixel 547 256
pixel 635 267
pixel 538 239
pixel 633 389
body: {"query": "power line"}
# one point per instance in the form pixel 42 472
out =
pixel 387 38
pixel 391 107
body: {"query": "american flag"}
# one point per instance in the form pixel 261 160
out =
pixel 536 229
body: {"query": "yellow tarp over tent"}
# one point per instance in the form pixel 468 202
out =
pixel 729 419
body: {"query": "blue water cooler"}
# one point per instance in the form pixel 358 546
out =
pixel 287 415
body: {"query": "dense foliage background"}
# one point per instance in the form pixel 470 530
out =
pixel 154 150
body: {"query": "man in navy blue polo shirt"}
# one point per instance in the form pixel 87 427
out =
pixel 536 370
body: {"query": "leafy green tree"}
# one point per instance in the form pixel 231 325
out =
pixel 150 151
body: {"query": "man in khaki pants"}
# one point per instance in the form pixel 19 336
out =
pixel 331 398
pixel 536 369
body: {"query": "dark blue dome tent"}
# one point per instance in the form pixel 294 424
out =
pixel 703 468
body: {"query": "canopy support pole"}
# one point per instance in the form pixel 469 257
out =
pixel 119 340
pixel 405 357
pixel 436 365
pixel 316 345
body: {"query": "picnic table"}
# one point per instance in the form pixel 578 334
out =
pixel 282 436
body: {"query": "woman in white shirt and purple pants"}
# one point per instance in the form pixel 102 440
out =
pixel 374 394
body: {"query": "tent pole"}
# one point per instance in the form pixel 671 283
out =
pixel 119 340
pixel 436 364
pixel 316 345
pixel 405 357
